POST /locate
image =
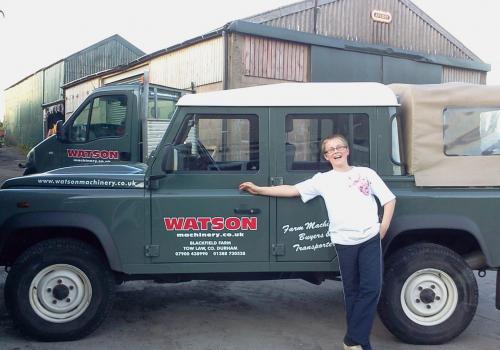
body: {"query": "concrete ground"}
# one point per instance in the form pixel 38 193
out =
pixel 264 315
pixel 10 157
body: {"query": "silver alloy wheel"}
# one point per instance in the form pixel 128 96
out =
pixel 60 293
pixel 429 297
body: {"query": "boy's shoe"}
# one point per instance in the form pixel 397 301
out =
pixel 353 347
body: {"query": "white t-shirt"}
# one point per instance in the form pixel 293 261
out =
pixel 349 199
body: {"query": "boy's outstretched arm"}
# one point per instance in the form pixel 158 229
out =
pixel 273 191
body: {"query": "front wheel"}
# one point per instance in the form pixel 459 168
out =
pixel 59 289
pixel 429 295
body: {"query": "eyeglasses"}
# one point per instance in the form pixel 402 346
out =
pixel 332 150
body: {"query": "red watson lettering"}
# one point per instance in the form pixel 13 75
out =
pixel 217 223
pixel 94 154
pixel 233 223
pixel 191 224
pixel 114 155
pixel 203 221
pixel 249 223
pixel 172 224
pixel 72 153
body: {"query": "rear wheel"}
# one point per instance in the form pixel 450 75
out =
pixel 59 289
pixel 429 295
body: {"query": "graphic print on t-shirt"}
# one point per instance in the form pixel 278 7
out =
pixel 361 183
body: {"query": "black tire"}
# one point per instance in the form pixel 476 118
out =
pixel 429 270
pixel 64 269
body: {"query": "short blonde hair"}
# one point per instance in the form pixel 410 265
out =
pixel 332 137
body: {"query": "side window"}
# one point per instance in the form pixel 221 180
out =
pixel 161 104
pixel 305 132
pixel 218 143
pixel 164 107
pixel 471 131
pixel 104 116
pixel 79 128
pixel 108 117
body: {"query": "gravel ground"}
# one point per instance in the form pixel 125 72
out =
pixel 10 157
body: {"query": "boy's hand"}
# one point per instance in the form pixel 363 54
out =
pixel 249 187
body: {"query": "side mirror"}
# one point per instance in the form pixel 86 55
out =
pixel 168 163
pixel 61 131
pixel 167 166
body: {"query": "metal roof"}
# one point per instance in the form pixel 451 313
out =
pixel 296 95
pixel 293 11
pixel 115 37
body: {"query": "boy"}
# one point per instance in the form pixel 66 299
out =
pixel 355 230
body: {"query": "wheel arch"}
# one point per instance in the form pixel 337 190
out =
pixel 458 233
pixel 23 230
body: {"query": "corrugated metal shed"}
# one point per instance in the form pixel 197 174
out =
pixel 23 112
pixel 24 115
pixel 300 41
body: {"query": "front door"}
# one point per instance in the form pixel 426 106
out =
pixel 99 132
pixel 198 213
pixel 302 229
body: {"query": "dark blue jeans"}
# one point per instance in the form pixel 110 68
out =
pixel 361 270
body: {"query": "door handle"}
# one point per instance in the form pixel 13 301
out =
pixel 247 211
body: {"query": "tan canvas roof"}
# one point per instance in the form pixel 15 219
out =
pixel 425 154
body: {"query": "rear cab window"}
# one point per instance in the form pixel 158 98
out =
pixel 304 133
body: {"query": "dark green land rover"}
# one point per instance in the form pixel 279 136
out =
pixel 68 236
